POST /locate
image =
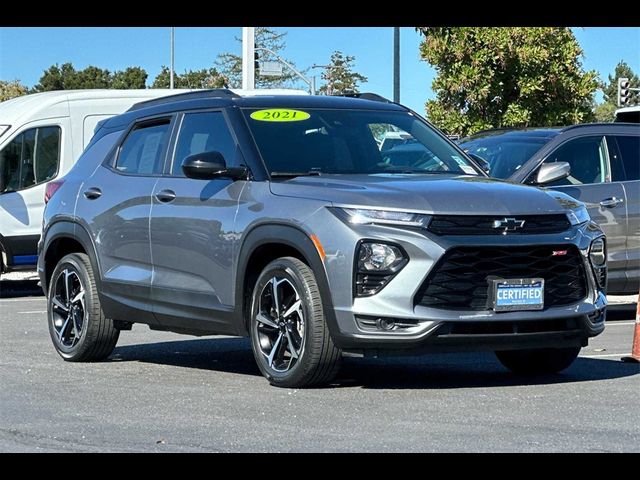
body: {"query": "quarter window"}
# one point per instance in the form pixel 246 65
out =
pixel 30 158
pixel 203 132
pixel 588 160
pixel 629 148
pixel 141 152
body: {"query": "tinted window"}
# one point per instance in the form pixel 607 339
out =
pixel 345 141
pixel 47 153
pixel 30 158
pixel 203 132
pixel 587 158
pixel 629 147
pixel 505 155
pixel 141 152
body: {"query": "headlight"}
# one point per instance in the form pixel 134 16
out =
pixel 597 253
pixel 363 216
pixel 579 215
pixel 379 257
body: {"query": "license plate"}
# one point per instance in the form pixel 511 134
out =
pixel 518 294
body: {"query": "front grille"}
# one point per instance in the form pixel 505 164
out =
pixel 483 225
pixel 459 280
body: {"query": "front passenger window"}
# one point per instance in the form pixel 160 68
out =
pixel 587 158
pixel 141 152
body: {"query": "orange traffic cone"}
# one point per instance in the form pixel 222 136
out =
pixel 635 349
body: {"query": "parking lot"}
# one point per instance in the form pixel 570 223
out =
pixel 166 392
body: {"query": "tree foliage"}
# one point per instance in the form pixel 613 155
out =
pixel 230 65
pixel 66 77
pixel 340 76
pixel 11 89
pixel 501 77
pixel 205 78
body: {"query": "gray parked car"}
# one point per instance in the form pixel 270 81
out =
pixel 280 218
pixel 598 164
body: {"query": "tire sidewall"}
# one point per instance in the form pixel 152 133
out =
pixel 71 261
pixel 286 269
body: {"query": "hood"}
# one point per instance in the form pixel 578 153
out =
pixel 433 194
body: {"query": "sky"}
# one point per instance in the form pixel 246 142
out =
pixel 26 52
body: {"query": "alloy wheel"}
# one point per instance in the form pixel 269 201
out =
pixel 68 312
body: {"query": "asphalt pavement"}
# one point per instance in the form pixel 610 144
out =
pixel 166 392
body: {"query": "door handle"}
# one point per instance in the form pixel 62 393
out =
pixel 93 193
pixel 611 202
pixel 166 196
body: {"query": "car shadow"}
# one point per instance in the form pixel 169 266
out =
pixel 434 371
pixel 20 288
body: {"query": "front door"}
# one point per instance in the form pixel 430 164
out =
pixel 590 182
pixel 192 232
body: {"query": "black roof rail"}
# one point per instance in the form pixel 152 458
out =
pixel 210 93
pixel 365 96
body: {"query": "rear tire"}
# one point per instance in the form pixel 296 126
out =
pixel 539 361
pixel 289 335
pixel 79 330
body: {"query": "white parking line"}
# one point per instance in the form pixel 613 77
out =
pixel 35 311
pixel 12 300
pixel 617 324
pixel 606 355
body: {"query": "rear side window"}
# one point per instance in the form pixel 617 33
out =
pixel 30 158
pixel 141 152
pixel 629 148
pixel 203 132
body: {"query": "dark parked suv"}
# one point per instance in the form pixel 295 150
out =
pixel 280 218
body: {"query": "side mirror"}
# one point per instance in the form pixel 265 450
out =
pixel 486 166
pixel 210 165
pixel 550 172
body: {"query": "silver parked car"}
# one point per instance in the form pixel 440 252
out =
pixel 280 218
pixel 598 164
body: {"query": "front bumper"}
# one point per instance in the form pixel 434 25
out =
pixel 425 328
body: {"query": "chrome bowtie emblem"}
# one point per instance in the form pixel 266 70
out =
pixel 508 224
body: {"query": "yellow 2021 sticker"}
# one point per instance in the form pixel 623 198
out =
pixel 279 115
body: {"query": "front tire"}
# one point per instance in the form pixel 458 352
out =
pixel 79 330
pixel 289 335
pixel 539 361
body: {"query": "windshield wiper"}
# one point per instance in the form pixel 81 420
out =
pixel 311 173
pixel 416 170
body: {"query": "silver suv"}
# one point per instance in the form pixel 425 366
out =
pixel 280 218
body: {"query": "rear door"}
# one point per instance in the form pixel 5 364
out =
pixel 115 202
pixel 624 151
pixel 590 182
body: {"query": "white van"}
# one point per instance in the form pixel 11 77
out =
pixel 41 136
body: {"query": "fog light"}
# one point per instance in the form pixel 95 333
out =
pixel 379 257
pixel 385 324
pixel 597 253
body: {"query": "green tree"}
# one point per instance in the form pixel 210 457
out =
pixel 11 89
pixel 501 77
pixel 610 88
pixel 604 112
pixel 340 76
pixel 230 64
pixel 205 78
pixel 129 78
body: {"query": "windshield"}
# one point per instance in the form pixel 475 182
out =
pixel 342 141
pixel 505 155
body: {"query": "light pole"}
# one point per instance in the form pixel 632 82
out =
pixel 396 64
pixel 248 58
pixel 311 83
pixel 171 60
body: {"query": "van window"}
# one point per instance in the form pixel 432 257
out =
pixel 30 158
pixel 141 152
pixel 203 132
